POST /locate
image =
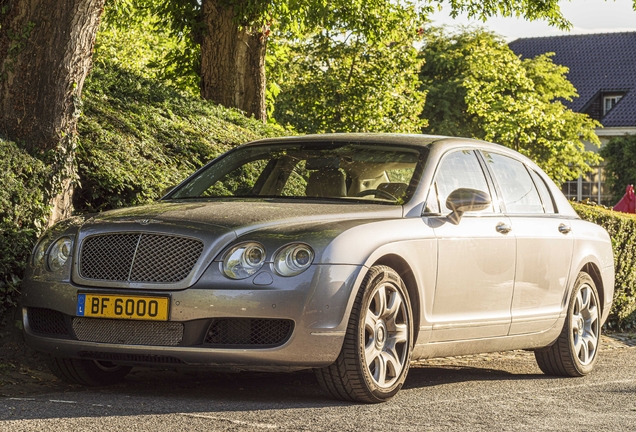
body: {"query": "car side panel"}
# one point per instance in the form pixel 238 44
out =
pixel 411 239
pixel 592 245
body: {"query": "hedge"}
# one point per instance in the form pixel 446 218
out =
pixel 622 229
pixel 138 136
pixel 23 213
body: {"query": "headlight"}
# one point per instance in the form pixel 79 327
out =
pixel 293 259
pixel 39 251
pixel 243 260
pixel 60 253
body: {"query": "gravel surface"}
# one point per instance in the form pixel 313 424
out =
pixel 500 391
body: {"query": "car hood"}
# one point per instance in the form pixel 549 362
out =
pixel 242 216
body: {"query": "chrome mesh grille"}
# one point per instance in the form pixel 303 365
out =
pixel 138 257
pixel 247 331
pixel 108 257
pixel 158 333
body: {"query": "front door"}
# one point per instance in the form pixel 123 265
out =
pixel 476 257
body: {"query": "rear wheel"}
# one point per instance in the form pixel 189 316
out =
pixel 575 351
pixel 87 372
pixel 375 356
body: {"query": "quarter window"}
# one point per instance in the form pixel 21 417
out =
pixel 519 193
pixel 546 196
pixel 460 169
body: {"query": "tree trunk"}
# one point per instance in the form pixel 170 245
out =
pixel 45 54
pixel 232 61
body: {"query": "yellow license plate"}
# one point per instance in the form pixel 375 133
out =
pixel 123 307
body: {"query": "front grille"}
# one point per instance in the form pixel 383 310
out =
pixel 138 257
pixel 130 358
pixel 47 321
pixel 158 333
pixel 246 331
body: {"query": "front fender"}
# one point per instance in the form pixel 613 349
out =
pixel 410 240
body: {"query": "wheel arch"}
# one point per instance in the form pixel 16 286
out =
pixel 400 265
pixel 595 273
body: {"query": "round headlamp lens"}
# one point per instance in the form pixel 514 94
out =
pixel 39 251
pixel 254 256
pixel 293 259
pixel 60 253
pixel 243 260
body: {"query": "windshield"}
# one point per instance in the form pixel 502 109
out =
pixel 325 171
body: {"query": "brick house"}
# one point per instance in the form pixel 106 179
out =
pixel 603 70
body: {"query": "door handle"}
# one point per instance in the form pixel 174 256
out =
pixel 564 229
pixel 503 228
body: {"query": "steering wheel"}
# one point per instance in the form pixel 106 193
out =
pixel 377 192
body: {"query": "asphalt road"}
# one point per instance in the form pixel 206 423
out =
pixel 494 392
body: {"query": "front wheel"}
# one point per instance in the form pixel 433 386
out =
pixel 376 353
pixel 575 351
pixel 87 372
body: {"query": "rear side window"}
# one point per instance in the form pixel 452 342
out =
pixel 546 196
pixel 520 196
pixel 460 169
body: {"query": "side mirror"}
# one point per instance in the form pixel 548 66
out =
pixel 463 200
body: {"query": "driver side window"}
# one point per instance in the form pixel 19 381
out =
pixel 460 169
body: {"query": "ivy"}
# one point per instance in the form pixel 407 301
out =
pixel 138 136
pixel 23 213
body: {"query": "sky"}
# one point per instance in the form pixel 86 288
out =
pixel 586 16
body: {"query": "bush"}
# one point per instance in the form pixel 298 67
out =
pixel 620 159
pixel 138 136
pixel 23 214
pixel 622 229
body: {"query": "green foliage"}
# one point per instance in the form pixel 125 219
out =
pixel 23 214
pixel 478 87
pixel 139 136
pixel 375 20
pixel 343 82
pixel 622 229
pixel 133 38
pixel 620 157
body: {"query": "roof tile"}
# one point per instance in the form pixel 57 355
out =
pixel 597 62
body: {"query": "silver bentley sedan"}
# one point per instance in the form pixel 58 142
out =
pixel 350 254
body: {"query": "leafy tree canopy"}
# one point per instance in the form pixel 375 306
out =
pixel 478 87
pixel 374 20
pixel 342 81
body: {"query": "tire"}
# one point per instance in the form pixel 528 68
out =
pixel 87 372
pixel 376 352
pixel 575 352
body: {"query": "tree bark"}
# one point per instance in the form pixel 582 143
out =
pixel 232 60
pixel 46 51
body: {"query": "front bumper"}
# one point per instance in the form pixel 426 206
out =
pixel 317 301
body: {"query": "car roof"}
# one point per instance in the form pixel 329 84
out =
pixel 381 138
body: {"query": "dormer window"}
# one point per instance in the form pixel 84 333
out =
pixel 609 101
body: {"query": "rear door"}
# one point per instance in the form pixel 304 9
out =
pixel 544 244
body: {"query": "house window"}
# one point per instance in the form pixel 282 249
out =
pixel 609 102
pixel 592 186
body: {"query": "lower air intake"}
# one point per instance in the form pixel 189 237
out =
pixel 47 321
pixel 261 333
